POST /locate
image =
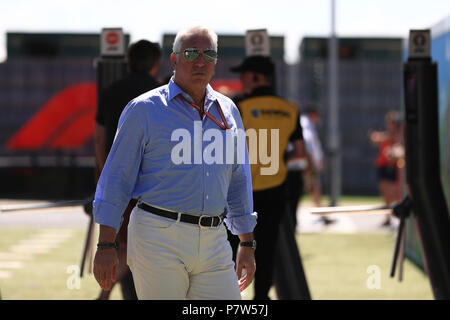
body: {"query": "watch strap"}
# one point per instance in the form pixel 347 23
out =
pixel 107 245
pixel 251 244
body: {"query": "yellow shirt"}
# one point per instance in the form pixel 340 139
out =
pixel 268 116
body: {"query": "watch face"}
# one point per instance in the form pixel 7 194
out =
pixel 251 244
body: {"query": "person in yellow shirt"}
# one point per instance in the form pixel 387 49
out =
pixel 275 122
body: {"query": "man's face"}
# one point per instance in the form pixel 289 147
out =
pixel 198 73
pixel 391 127
pixel 248 81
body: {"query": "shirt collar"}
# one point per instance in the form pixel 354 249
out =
pixel 175 90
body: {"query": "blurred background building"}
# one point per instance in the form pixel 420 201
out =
pixel 48 101
pixel 369 85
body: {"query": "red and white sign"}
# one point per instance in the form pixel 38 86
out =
pixel 112 42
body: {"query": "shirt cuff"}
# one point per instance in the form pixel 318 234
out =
pixel 241 224
pixel 107 214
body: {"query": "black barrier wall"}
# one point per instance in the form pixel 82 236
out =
pixel 423 171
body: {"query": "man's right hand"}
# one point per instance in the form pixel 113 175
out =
pixel 105 265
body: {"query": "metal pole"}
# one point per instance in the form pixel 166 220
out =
pixel 333 114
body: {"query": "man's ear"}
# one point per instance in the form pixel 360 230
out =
pixel 173 57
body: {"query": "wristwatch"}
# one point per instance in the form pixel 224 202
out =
pixel 251 244
pixel 107 245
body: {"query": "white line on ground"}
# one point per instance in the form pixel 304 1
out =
pixel 29 249
pixel 11 265
pixel 5 274
pixel 15 256
pixel 42 242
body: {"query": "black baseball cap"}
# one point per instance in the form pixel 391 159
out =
pixel 259 64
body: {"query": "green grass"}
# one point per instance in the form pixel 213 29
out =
pixel 335 265
pixel 45 277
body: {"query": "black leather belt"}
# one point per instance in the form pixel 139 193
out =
pixel 202 221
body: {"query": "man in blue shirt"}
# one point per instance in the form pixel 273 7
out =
pixel 164 156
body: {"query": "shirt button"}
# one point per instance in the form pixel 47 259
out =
pixel 207 174
pixel 207 197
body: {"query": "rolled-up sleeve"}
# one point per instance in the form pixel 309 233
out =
pixel 119 175
pixel 240 217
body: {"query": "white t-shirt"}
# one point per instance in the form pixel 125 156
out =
pixel 312 141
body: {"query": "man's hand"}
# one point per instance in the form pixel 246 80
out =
pixel 105 265
pixel 245 260
pixel 106 261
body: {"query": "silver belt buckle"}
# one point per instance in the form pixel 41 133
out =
pixel 200 221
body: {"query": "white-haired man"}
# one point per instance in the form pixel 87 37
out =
pixel 177 244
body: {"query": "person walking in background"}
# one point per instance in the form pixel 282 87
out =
pixel 262 109
pixel 309 120
pixel 143 59
pixel 294 184
pixel 389 160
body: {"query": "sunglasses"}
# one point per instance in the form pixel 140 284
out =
pixel 190 54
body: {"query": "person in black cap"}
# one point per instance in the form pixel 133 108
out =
pixel 261 109
pixel 143 63
pixel 257 75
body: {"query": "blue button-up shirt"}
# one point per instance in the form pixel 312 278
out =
pixel 141 162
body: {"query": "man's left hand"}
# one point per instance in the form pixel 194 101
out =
pixel 245 260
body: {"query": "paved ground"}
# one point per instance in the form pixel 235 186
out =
pixel 76 217
pixel 58 225
pixel 50 217
pixel 343 222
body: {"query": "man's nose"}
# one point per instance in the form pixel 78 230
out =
pixel 200 60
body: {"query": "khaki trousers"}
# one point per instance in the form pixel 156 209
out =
pixel 176 260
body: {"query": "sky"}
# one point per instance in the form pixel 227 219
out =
pixel 293 19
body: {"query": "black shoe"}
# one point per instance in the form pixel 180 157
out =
pixel 386 223
pixel 326 221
